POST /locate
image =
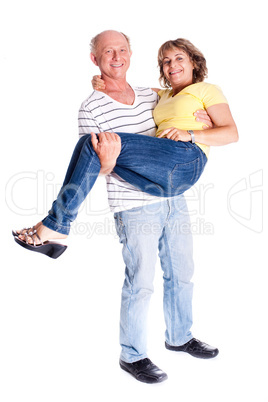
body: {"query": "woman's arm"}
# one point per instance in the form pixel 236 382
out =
pixel 224 131
pixel 99 85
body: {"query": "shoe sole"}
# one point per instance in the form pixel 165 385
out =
pixel 51 249
pixel 142 380
pixel 175 349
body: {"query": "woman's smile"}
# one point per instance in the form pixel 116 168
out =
pixel 178 69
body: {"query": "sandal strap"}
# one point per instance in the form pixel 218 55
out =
pixel 38 237
pixel 20 232
pixel 32 235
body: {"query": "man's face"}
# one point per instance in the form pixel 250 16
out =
pixel 112 55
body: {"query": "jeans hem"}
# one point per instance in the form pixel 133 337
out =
pixel 134 359
pixel 180 343
pixel 49 223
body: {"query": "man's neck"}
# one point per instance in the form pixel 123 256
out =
pixel 114 85
pixel 119 90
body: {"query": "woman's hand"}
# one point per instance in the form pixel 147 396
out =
pixel 175 134
pixel 97 83
pixel 181 135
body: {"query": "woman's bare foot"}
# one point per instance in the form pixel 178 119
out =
pixel 22 231
pixel 39 234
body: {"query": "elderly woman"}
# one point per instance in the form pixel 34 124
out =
pixel 159 166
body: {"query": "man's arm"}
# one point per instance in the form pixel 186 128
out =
pixel 224 132
pixel 202 116
pixel 86 121
pixel 107 146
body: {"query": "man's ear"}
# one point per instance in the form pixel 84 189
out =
pixel 93 59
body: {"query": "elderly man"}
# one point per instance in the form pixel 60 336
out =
pixel 145 224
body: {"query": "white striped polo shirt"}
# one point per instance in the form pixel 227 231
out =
pixel 99 113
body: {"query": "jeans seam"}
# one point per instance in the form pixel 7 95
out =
pixel 83 181
pixel 125 244
pixel 171 293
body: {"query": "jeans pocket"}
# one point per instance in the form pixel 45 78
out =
pixel 185 175
pixel 119 225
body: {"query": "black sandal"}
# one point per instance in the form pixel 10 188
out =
pixel 49 248
pixel 15 233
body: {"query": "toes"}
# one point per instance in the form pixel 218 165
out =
pixel 23 231
pixel 27 235
pixel 28 231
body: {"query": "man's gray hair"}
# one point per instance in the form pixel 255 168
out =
pixel 94 42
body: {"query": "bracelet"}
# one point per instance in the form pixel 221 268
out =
pixel 192 136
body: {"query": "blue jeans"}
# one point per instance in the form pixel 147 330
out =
pixel 158 166
pixel 163 227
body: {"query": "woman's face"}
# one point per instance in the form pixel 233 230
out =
pixel 178 68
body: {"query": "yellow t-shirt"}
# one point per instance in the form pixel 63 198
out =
pixel 177 111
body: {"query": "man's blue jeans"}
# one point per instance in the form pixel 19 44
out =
pixel 163 226
pixel 158 166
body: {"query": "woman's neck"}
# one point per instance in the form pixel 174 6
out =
pixel 179 88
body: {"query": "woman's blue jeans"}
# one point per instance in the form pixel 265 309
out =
pixel 158 166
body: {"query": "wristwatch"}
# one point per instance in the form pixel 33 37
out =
pixel 192 136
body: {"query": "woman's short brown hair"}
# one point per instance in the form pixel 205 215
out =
pixel 197 58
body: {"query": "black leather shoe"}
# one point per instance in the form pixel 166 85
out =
pixel 144 370
pixel 195 348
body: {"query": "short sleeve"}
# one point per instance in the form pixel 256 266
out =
pixel 213 95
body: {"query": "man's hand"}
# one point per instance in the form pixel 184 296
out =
pixel 202 116
pixel 108 148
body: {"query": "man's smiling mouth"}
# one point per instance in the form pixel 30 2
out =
pixel 117 65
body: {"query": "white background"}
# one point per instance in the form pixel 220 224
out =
pixel 59 319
